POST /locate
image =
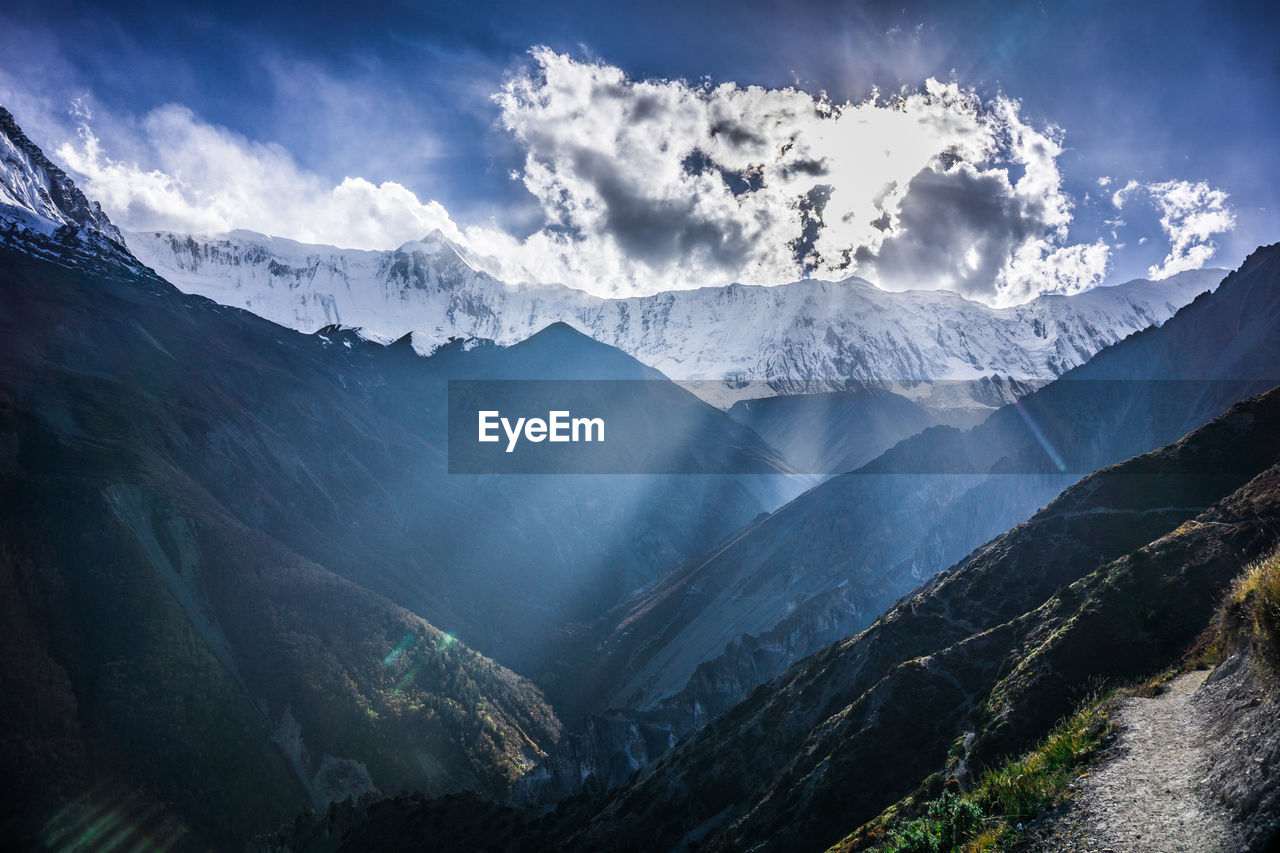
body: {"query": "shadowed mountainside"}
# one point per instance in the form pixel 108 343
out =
pixel 826 564
pixel 161 648
pixel 1112 580
pixel 232 551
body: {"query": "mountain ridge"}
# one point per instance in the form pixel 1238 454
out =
pixel 825 565
pixel 36 195
pixel 950 680
pixel 231 550
pixel 725 343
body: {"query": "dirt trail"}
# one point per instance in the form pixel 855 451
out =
pixel 1148 794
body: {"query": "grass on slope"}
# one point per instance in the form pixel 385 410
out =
pixel 988 817
pixel 1251 610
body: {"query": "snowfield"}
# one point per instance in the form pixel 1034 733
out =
pixel 724 343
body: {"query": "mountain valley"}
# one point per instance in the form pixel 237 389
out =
pixel 845 553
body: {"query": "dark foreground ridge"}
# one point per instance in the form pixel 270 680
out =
pixel 1113 580
pixel 230 551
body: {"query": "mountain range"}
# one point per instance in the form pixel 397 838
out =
pixel 264 555
pixel 259 584
pixel 726 344
pixel 824 566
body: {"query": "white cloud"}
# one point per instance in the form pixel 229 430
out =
pixel 1120 196
pixel 206 179
pixel 1190 214
pixel 650 185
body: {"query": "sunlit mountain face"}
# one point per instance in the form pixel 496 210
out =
pixel 955 357
pixel 716 427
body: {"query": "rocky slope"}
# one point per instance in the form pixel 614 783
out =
pixel 825 565
pixel 1241 701
pixel 973 668
pixel 726 344
pixel 230 551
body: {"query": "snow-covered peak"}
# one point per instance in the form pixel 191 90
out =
pixel 434 243
pixel 724 343
pixel 36 197
pixel 442 250
pixel 446 251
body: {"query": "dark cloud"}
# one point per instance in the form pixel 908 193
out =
pixel 647 107
pixel 748 180
pixel 736 134
pixel 659 231
pixel 812 168
pixel 961 224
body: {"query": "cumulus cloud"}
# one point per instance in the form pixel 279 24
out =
pixel 206 179
pixel 1190 214
pixel 650 185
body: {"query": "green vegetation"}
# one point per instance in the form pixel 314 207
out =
pixel 1250 612
pixel 949 822
pixel 989 817
pixel 1027 786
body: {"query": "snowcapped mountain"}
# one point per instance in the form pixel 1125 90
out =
pixel 956 358
pixel 725 343
pixel 40 204
pixel 271 514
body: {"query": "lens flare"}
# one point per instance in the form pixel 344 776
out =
pixel 1045 444
pixel 103 820
pixel 399 650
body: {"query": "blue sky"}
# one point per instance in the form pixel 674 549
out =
pixel 1174 100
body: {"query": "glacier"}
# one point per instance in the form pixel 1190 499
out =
pixel 723 343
